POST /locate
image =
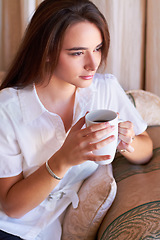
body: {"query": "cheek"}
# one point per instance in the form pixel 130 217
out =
pixel 70 65
pixel 65 69
pixel 98 58
pixel 62 67
pixel 65 63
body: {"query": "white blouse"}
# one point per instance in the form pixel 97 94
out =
pixel 30 135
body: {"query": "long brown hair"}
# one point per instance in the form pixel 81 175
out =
pixel 44 36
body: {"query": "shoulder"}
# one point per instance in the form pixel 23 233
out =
pixel 9 103
pixel 8 96
pixel 101 79
pixel 105 82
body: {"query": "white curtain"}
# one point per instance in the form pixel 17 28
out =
pixel 126 19
pixel 14 16
pixel 134 56
pixel 27 10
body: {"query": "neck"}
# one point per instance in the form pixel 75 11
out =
pixel 55 91
pixel 56 98
pixel 59 100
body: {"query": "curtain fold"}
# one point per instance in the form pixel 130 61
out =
pixel 26 12
pixel 10 31
pixel 153 47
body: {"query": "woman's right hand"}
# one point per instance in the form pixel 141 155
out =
pixel 75 150
pixel 80 143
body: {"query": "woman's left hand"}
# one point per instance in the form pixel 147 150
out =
pixel 126 135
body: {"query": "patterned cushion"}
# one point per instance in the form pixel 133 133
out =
pixel 135 213
pixel 96 196
pixel 142 222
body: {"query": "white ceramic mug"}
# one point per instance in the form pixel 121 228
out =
pixel 102 115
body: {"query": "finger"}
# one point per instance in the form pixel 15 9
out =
pixel 97 145
pixel 97 135
pixel 78 125
pixel 127 147
pixel 126 131
pixel 97 158
pixel 126 139
pixel 126 124
pixel 93 128
pixel 126 135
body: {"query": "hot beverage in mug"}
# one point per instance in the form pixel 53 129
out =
pixel 102 115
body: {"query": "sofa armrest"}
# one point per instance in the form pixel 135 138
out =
pixel 147 104
pixel 135 213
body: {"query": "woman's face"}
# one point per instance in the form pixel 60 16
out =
pixel 80 55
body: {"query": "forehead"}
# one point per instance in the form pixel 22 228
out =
pixel 80 34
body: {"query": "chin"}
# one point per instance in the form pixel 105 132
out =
pixel 85 85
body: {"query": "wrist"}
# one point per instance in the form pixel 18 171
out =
pixel 57 166
pixel 51 172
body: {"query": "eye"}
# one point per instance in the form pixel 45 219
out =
pixel 76 53
pixel 98 49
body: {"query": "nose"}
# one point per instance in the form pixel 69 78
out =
pixel 90 63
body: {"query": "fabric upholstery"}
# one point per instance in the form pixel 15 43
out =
pixel 134 184
pixel 135 213
pixel 147 104
pixel 96 196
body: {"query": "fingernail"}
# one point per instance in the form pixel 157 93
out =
pixel 131 149
pixel 106 124
pixel 112 137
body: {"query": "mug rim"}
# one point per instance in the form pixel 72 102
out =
pixel 89 116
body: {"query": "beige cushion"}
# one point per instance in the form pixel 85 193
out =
pixel 135 213
pixel 96 196
pixel 147 104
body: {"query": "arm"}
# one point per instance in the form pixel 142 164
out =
pixel 19 195
pixel 138 148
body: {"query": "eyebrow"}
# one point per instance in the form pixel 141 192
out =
pixel 82 48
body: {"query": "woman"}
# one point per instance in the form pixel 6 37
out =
pixel 46 152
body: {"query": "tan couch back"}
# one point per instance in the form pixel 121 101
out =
pixel 1 76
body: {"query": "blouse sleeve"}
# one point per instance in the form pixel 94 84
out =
pixel 10 153
pixel 119 101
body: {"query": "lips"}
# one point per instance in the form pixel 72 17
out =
pixel 89 77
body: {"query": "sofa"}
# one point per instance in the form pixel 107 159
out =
pixel 124 205
pixel 132 211
pixel 135 213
